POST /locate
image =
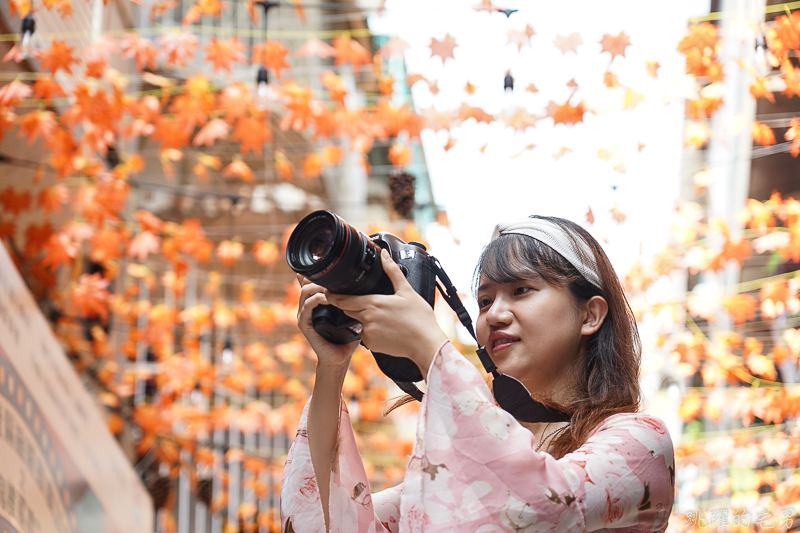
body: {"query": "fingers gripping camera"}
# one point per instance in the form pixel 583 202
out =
pixel 331 253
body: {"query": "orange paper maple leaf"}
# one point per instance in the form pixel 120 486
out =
pixel 213 130
pixel 252 132
pixel 315 48
pixel 52 198
pixel 615 45
pixel 443 48
pixel 90 297
pixel 141 49
pixel 741 307
pixel 350 51
pixel 272 55
pixel 144 244
pixel 57 57
pixel 229 252
pixel 223 54
pixel 239 169
pixel 312 166
pixel 179 47
pixel 266 253
pixel 14 202
pixel 568 43
pixel 762 134
pixel 59 250
pixel 566 113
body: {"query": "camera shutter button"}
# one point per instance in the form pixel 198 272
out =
pixel 415 243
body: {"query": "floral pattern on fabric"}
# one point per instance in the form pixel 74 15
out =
pixel 474 469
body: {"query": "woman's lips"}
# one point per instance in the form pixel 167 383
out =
pixel 503 345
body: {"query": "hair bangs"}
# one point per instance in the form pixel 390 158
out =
pixel 513 257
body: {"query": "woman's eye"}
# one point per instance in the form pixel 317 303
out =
pixel 522 290
pixel 484 302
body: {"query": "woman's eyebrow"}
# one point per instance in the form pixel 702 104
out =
pixel 485 286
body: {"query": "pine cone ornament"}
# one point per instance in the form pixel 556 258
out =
pixel 401 189
pixel 205 487
pixel 159 488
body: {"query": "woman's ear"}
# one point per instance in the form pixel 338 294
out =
pixel 595 311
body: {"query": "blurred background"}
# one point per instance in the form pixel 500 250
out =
pixel 155 155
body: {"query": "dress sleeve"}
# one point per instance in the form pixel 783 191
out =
pixel 351 505
pixel 475 467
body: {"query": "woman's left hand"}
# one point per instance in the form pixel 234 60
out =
pixel 400 324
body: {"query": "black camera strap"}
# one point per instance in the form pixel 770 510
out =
pixel 509 392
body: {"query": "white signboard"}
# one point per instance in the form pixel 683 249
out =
pixel 60 468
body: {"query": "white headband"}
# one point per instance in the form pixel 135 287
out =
pixel 553 235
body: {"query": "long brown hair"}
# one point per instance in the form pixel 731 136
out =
pixel 607 373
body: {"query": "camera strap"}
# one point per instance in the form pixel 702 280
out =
pixel 509 393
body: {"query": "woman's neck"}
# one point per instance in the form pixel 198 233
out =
pixel 541 430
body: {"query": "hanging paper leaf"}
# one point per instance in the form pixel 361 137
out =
pixel 569 43
pixel 52 198
pixel 224 54
pixel 13 93
pixel 144 244
pixel 610 80
pixel 59 250
pixel 762 134
pixel 272 55
pixel 350 51
pixel 312 166
pixel 331 155
pixel 211 8
pixel 615 45
pixel 566 113
pixel 632 99
pixel 90 296
pixel 239 169
pixel 252 132
pixel 179 47
pixel 47 89
pixel 386 85
pixel 399 155
pixel 213 130
pixel 229 252
pixel 443 48
pixel 58 57
pixel 315 48
pixel 520 38
pixel 394 47
pixel 141 49
pixel 266 253
pixel 284 167
pixel 334 86
pixel 617 214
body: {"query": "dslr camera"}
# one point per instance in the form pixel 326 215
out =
pixel 333 254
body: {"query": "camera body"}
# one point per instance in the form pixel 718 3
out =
pixel 333 254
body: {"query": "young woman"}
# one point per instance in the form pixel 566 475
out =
pixel 553 315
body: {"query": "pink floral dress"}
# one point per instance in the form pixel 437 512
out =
pixel 474 470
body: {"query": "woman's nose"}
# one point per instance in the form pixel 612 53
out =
pixel 499 313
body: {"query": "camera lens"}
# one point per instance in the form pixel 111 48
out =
pixel 320 245
pixel 330 252
pixel 315 241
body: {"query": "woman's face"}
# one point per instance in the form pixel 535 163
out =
pixel 532 331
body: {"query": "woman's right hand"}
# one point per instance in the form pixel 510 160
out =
pixel 329 355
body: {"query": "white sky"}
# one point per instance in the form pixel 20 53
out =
pixel 479 189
